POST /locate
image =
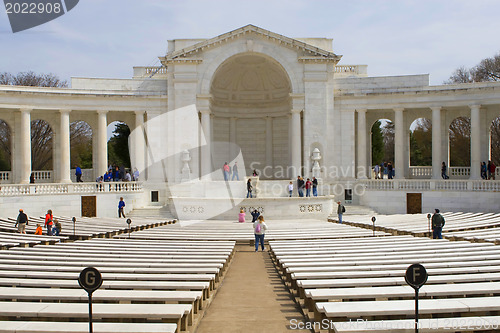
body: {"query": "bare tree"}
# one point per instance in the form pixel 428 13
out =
pixel 41 133
pixel 487 70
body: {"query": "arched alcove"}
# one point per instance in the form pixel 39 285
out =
pixel 250 107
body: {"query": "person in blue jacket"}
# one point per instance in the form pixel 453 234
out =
pixel 121 205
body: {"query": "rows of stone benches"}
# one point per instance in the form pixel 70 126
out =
pixel 148 286
pixel 83 228
pixel 458 224
pixel 358 285
pixel 244 233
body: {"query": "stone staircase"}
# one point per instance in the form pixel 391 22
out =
pixel 162 212
pixel 355 210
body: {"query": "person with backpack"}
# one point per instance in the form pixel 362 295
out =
pixel 48 222
pixel 340 211
pixel 437 224
pixel 259 228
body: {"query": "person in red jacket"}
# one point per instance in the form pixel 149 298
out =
pixel 48 222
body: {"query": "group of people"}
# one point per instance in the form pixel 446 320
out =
pixel 304 185
pixel 227 170
pixel 488 170
pixel 52 225
pixel 386 168
pixel 241 216
pixel 116 174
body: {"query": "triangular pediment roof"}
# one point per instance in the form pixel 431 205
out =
pixel 312 50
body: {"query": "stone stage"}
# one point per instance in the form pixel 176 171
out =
pixel 271 207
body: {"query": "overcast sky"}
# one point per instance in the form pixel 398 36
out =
pixel 106 38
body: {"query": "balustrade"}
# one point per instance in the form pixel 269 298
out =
pixel 7 190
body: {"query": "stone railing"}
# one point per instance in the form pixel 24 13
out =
pixel 78 188
pixel 43 176
pixel 150 70
pixel 431 185
pixel 351 70
pixel 5 176
pixel 459 172
pixel 420 172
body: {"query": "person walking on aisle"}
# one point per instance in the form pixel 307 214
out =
pixel 259 228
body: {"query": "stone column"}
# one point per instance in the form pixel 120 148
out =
pixel 102 143
pixel 139 144
pixel 64 148
pixel 475 142
pixel 296 143
pixel 436 142
pixel 362 165
pixel 206 150
pixel 25 147
pixel 269 142
pixel 399 143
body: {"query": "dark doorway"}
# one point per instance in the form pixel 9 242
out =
pixel 89 206
pixel 413 203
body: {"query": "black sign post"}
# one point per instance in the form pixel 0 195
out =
pixel 90 279
pixel 373 220
pixel 129 221
pixel 74 228
pixel 416 277
pixel 429 224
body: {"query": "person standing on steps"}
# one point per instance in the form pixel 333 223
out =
pixel 235 171
pixel 290 189
pixel 48 222
pixel 121 205
pixel 259 228
pixel 249 188
pixel 340 211
pixel 255 215
pixel 315 186
pixel 437 224
pixel 21 222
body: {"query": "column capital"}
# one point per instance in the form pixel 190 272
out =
pixel 435 108
pixel 361 110
pixel 474 107
pixel 295 111
pixel 139 113
pixel 205 111
pixel 102 111
pixel 26 110
pixel 64 111
pixel 399 109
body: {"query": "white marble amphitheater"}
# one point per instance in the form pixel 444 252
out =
pixel 280 105
pixel 283 107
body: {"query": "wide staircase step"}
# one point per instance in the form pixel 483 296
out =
pixel 151 211
pixel 355 210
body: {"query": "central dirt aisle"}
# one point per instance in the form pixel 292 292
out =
pixel 252 298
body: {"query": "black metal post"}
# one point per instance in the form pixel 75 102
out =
pixel 91 329
pixel 416 310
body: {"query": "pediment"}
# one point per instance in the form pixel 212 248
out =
pixel 310 52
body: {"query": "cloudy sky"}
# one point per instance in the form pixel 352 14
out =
pixel 105 38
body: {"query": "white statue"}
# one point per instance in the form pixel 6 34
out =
pixel 186 171
pixel 316 156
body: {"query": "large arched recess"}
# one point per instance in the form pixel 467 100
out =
pixel 250 104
